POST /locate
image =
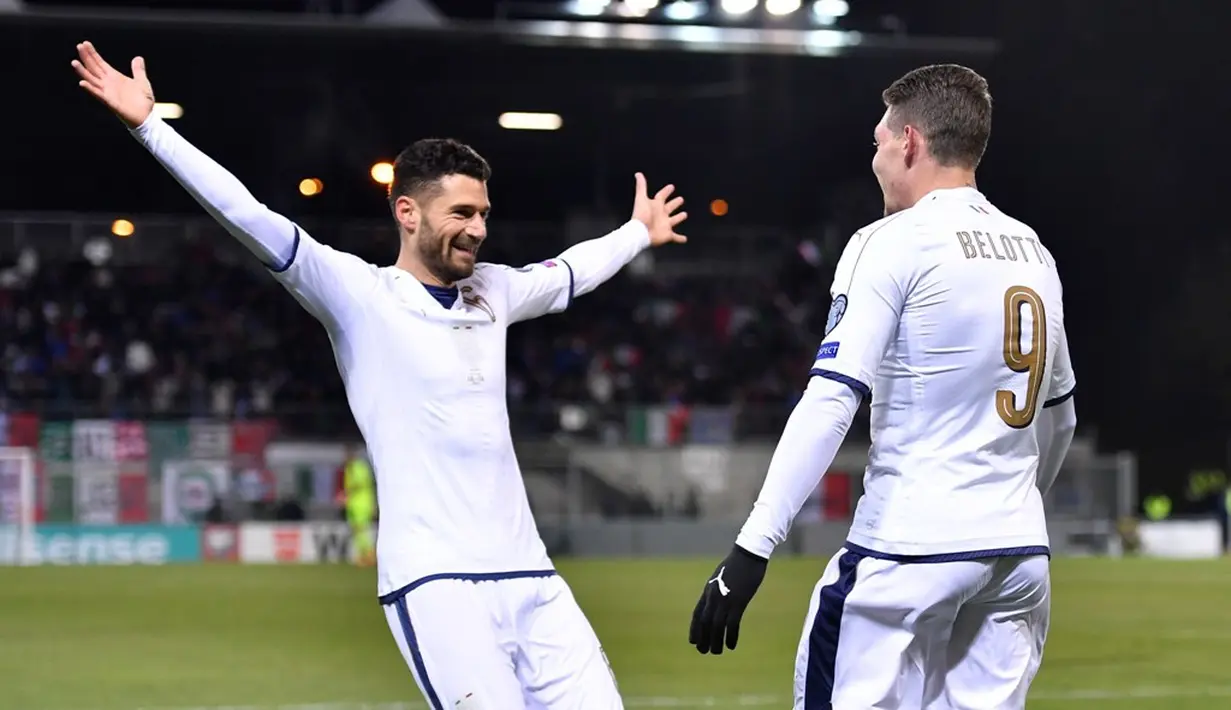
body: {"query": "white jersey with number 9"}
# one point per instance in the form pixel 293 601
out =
pixel 950 315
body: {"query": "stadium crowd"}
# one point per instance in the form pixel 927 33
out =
pixel 202 333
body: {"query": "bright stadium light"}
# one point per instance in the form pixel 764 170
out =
pixel 781 7
pixel 738 7
pixel 122 228
pixel 383 173
pixel 684 10
pixel 637 8
pixel 588 8
pixel 168 112
pixel 309 187
pixel 527 121
pixel 826 12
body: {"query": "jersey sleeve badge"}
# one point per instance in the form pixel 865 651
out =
pixel 836 310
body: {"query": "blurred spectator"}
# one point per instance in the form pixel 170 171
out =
pixel 203 335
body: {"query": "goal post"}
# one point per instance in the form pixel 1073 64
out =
pixel 17 505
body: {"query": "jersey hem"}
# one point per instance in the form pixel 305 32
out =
pixel 953 547
pixel 394 596
pixel 958 556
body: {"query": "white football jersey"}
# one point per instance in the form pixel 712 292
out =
pixel 426 383
pixel 426 386
pixel 950 315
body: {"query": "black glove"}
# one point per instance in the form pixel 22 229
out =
pixel 724 599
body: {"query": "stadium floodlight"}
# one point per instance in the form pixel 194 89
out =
pixel 529 121
pixel 738 7
pixel 309 187
pixel 122 228
pixel 782 7
pixel 588 8
pixel 825 12
pixel 684 10
pixel 637 8
pixel 168 111
pixel 383 173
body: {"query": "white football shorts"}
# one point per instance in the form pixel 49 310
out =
pixel 501 642
pixel 949 635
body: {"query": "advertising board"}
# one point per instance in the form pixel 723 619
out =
pixel 296 543
pixel 106 545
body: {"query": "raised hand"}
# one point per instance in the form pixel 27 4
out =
pixel 659 214
pixel 130 97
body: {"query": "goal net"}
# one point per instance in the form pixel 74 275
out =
pixel 17 503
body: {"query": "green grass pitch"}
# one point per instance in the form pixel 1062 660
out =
pixel 1133 633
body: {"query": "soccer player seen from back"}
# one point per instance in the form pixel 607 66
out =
pixel 948 314
pixel 469 592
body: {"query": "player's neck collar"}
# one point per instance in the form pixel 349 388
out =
pixel 446 296
pixel 417 294
pixel 963 192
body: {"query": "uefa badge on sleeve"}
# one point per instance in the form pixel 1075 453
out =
pixel 836 310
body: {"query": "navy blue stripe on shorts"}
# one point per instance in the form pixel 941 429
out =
pixel 823 638
pixel 412 642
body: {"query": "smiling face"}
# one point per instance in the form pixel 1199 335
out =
pixel 439 199
pixel 452 226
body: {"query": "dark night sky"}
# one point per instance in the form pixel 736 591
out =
pixel 1107 140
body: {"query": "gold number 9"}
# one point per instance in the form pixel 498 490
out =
pixel 1031 362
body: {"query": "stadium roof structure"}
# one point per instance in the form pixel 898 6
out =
pixel 960 28
pixel 289 93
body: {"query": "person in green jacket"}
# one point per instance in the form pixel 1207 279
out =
pixel 360 489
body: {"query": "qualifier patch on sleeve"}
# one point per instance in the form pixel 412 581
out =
pixel 827 351
pixel 836 310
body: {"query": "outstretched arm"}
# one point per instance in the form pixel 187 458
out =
pixel 594 261
pixel 267 234
pixel 330 284
pixel 551 286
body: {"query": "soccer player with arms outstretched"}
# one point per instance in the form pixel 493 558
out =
pixel 469 592
pixel 948 314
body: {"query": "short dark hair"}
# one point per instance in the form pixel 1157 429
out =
pixel 950 104
pixel 423 164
